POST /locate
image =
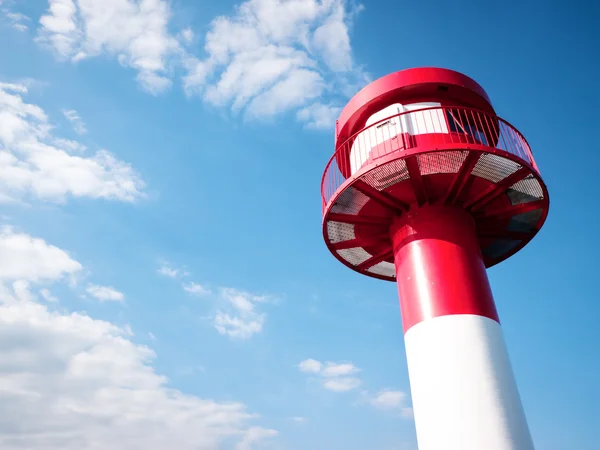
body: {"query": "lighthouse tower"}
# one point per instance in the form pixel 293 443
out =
pixel 428 187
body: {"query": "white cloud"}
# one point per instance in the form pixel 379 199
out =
pixel 70 381
pixel 17 20
pixel 153 82
pixel 310 366
pixel 342 384
pixel 253 436
pixel 235 313
pixel 47 295
pixel 26 258
pixel 336 370
pixel 408 413
pixel 151 336
pixel 166 270
pixel 333 41
pixel 76 121
pixel 33 162
pixel 319 116
pixel 290 92
pixel 299 419
pixel 237 317
pixel 237 327
pixel 187 35
pixel 197 72
pixel 341 377
pixel 60 29
pixel 105 293
pixel 195 289
pixel 273 56
pixel 386 399
pixel 391 400
pixel 333 376
pixel 135 32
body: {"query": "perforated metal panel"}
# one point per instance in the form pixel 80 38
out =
pixel 350 202
pixel 387 175
pixel 383 268
pixel 441 162
pixel 525 191
pixel 339 231
pixel 354 256
pixel 494 168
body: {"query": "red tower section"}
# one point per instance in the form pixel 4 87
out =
pixel 419 138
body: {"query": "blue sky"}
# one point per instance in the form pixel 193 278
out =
pixel 162 271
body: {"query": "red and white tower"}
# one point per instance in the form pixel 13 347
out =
pixel 428 188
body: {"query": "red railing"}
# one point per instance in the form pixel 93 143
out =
pixel 427 128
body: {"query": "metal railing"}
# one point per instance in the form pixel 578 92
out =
pixel 427 128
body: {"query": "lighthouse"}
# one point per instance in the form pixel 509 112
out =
pixel 428 187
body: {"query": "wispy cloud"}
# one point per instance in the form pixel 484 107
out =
pixel 47 295
pixel 319 116
pixel 343 377
pixel 390 400
pixel 167 270
pixel 72 116
pixel 17 20
pixel 37 163
pixel 310 366
pixel 195 289
pixel 338 370
pixel 253 436
pixel 105 293
pixel 342 384
pixel 238 316
pixel 135 32
pixel 338 377
pixel 187 35
pixel 272 57
pixel 235 313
